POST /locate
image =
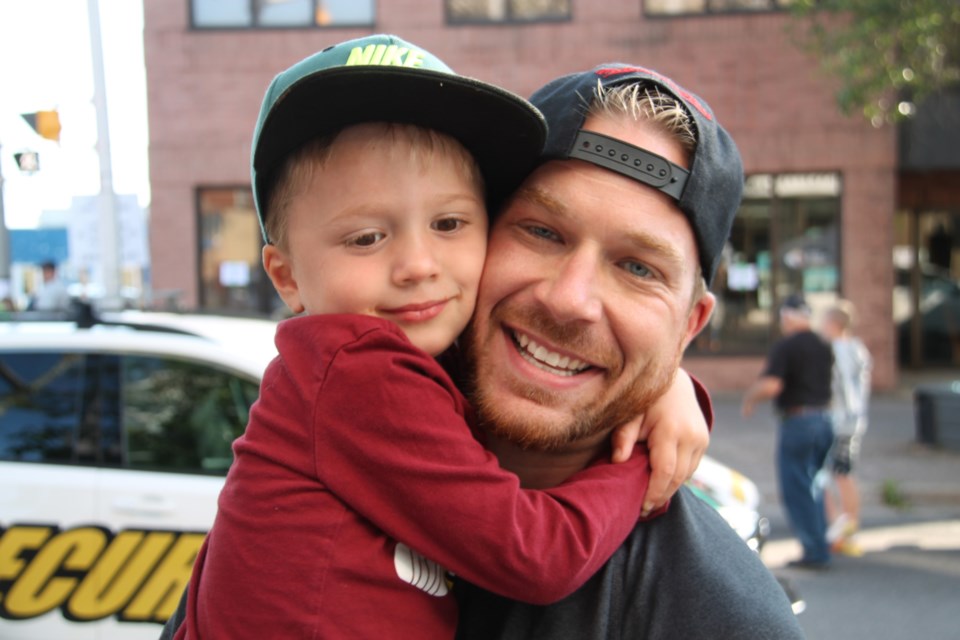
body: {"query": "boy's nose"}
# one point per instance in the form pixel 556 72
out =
pixel 415 261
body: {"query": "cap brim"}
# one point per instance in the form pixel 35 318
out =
pixel 503 132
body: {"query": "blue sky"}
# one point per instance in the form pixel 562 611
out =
pixel 46 63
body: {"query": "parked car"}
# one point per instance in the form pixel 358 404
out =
pixel 115 436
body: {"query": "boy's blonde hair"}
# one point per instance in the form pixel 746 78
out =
pixel 842 314
pixel 298 169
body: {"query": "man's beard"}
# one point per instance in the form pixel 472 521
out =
pixel 587 420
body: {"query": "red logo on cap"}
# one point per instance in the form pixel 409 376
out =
pixel 614 71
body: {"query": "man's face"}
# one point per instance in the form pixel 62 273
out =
pixel 585 303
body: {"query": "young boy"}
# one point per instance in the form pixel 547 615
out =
pixel 848 409
pixel 356 486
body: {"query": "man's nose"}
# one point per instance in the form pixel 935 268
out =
pixel 570 292
pixel 414 260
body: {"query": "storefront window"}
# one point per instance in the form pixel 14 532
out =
pixel 268 14
pixel 785 239
pixel 926 287
pixel 231 276
pixel 694 7
pixel 459 11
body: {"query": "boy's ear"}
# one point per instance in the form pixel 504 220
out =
pixel 280 271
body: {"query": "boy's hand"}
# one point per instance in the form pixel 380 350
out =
pixel 677 435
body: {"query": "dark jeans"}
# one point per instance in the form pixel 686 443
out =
pixel 804 443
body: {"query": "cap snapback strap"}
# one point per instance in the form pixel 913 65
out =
pixel 633 162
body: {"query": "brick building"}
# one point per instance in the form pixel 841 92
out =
pixel 820 204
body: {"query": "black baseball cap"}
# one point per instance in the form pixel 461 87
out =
pixel 796 303
pixel 708 193
pixel 384 78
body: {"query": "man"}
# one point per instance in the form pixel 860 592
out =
pixel 798 375
pixel 594 285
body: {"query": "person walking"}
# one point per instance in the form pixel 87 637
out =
pixel 797 376
pixel 851 397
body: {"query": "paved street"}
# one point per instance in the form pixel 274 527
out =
pixel 907 584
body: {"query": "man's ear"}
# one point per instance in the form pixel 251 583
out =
pixel 279 269
pixel 699 316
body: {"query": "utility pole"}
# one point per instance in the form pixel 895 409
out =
pixel 109 233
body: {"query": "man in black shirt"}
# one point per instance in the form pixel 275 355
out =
pixel 797 376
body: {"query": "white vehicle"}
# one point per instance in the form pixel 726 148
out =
pixel 114 441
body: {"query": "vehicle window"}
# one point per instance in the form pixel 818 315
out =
pixel 67 408
pixel 59 407
pixel 182 416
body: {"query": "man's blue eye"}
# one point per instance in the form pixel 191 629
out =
pixel 542 232
pixel 637 269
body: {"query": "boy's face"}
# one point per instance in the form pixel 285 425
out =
pixel 389 228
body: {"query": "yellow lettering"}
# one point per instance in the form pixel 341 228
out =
pixel 414 58
pixel 14 542
pixel 361 56
pixel 118 574
pixel 394 56
pixel 381 54
pixel 378 54
pixel 158 598
pixel 40 588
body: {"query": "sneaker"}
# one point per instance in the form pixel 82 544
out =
pixel 836 529
pixel 847 547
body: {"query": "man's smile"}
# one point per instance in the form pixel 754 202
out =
pixel 545 359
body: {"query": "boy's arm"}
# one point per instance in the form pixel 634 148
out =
pixel 391 444
pixel 677 431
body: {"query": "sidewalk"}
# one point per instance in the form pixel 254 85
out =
pixel 893 463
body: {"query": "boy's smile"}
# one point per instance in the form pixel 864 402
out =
pixel 389 221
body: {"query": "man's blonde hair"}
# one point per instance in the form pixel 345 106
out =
pixel 646 102
pixel 299 167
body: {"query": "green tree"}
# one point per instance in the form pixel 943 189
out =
pixel 887 54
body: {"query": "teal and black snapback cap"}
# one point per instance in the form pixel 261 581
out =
pixel 384 78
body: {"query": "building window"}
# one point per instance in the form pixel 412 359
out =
pixel 473 11
pixel 231 275
pixel 926 286
pixel 270 14
pixel 694 7
pixel 785 239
